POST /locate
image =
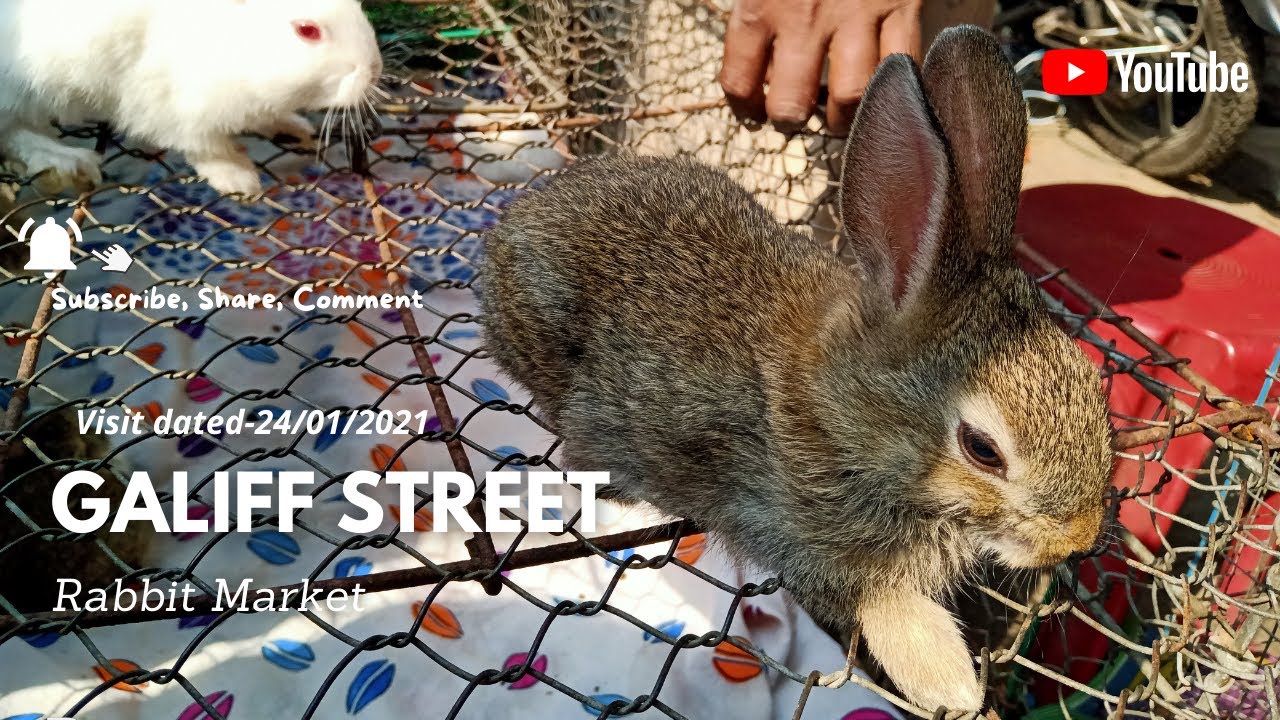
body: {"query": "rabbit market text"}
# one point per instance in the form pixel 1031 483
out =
pixel 285 493
pixel 179 598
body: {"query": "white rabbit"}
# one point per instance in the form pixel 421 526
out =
pixel 187 75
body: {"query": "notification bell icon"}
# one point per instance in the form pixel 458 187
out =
pixel 50 246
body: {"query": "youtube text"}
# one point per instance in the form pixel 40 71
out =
pixel 1181 74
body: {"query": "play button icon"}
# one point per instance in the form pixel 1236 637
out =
pixel 1075 72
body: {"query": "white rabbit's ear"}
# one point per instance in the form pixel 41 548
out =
pixel 978 103
pixel 893 195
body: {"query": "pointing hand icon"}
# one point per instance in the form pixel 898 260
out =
pixel 115 259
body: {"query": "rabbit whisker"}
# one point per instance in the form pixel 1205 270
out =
pixel 369 126
pixel 1072 584
pixel 326 132
pixel 359 125
pixel 1145 235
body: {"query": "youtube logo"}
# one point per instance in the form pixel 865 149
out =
pixel 1074 72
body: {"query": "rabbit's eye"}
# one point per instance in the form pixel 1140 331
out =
pixel 308 30
pixel 980 449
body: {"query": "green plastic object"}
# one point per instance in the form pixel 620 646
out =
pixel 1120 672
pixel 423 20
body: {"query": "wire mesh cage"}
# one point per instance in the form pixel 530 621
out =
pixel 1176 617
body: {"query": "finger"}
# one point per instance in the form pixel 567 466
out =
pixel 855 50
pixel 796 71
pixel 746 57
pixel 98 255
pixel 900 33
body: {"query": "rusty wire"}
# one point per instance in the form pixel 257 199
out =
pixel 634 75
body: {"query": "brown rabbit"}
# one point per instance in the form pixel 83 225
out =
pixel 32 565
pixel 867 431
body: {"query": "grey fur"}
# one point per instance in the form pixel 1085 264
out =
pixel 723 368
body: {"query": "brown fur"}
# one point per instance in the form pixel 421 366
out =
pixel 803 411
pixel 31 564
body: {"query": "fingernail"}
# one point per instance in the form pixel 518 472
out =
pixel 788 127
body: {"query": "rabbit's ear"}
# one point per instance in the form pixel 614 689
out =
pixel 893 196
pixel 977 101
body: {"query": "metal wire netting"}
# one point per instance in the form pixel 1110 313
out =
pixel 1178 622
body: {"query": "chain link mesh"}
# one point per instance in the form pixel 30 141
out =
pixel 499 94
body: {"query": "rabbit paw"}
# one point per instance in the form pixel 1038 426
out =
pixel 54 166
pixel 295 126
pixel 230 175
pixel 920 646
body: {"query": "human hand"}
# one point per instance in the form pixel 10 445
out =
pixel 784 42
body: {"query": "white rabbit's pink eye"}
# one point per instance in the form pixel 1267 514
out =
pixel 980 449
pixel 308 30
